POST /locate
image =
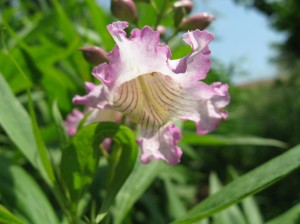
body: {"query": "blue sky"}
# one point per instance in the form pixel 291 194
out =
pixel 243 37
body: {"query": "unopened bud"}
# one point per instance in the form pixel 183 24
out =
pixel 181 9
pixel 124 10
pixel 145 1
pixel 94 55
pixel 199 21
pixel 161 29
pixel 186 5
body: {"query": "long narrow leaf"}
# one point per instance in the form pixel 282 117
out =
pixel 292 216
pixel 64 22
pixel 23 196
pixel 194 139
pixel 231 215
pixel 249 204
pixel 17 124
pixel 248 184
pixel 59 125
pixel 7 218
pixel 100 20
pixel 176 205
pixel 137 183
pixel 41 147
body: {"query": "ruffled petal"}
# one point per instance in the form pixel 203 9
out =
pixel 197 64
pixel 140 54
pixel 208 109
pixel 72 121
pixel 96 96
pixel 162 146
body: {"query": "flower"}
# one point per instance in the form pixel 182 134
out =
pixel 142 82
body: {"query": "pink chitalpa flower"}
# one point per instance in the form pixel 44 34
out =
pixel 142 82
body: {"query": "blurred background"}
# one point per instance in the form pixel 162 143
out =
pixel 256 51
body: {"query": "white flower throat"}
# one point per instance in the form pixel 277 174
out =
pixel 151 100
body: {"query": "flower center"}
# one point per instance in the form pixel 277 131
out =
pixel 151 100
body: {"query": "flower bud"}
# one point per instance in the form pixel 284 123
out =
pixel 161 29
pixel 181 9
pixel 124 10
pixel 145 1
pixel 199 21
pixel 186 5
pixel 94 55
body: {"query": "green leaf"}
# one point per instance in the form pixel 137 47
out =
pixel 248 184
pixel 59 122
pixel 252 212
pixel 17 124
pixel 80 159
pixel 64 22
pixel 100 20
pixel 178 16
pixel 249 205
pixel 292 216
pixel 7 218
pixel 41 147
pixel 42 157
pixel 231 215
pixel 23 196
pixel 36 74
pixel 126 139
pixel 137 183
pixel 146 15
pixel 176 205
pixel 194 139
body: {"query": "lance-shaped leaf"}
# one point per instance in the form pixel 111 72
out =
pixel 139 180
pixel 22 131
pixel 248 184
pixel 23 196
pixel 292 216
pixel 7 218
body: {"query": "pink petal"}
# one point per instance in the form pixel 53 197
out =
pixel 134 56
pixel 162 146
pixel 96 97
pixel 72 121
pixel 197 64
pixel 208 110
